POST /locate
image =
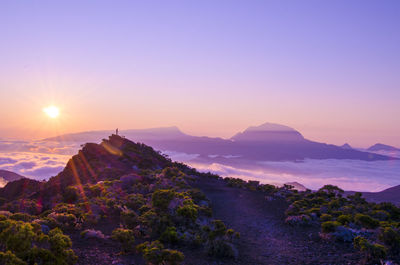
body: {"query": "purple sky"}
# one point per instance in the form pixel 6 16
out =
pixel 330 69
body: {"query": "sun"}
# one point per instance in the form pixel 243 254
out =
pixel 52 111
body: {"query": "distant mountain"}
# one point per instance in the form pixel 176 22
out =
pixel 164 133
pixel 267 142
pixel 269 132
pixel 383 147
pixel 389 195
pixel 9 176
pixel 297 186
pixel 346 146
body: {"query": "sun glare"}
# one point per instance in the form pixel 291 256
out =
pixel 52 111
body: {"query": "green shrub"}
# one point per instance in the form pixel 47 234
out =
pixel 129 218
pixel 329 226
pixel 60 245
pixel 21 217
pixel 162 198
pixel 218 231
pixel 344 219
pixel 366 221
pixel 155 253
pixel 8 258
pixel 135 201
pixel 390 238
pixel 125 237
pixel 373 253
pixel 169 235
pixel 188 211
pixel 325 217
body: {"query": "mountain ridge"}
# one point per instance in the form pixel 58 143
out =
pixel 257 143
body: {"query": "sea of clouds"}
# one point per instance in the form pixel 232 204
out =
pixel 35 159
pixel 353 175
pixel 348 174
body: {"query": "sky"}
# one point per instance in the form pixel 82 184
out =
pixel 330 69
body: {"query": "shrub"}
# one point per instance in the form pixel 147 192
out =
pixel 60 245
pixel 366 221
pixel 135 201
pixel 221 248
pixel 21 217
pixel 374 253
pixel 326 217
pixel 125 237
pixel 17 236
pixel 381 215
pixel 129 218
pixel 298 220
pixel 155 253
pixel 169 235
pixel 390 238
pixel 344 219
pixel 71 194
pixel 162 198
pixel 8 258
pixel 188 211
pixel 329 226
pixel 218 231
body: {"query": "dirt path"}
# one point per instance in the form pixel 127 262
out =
pixel 265 239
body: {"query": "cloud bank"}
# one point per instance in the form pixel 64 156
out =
pixel 35 159
pixel 347 174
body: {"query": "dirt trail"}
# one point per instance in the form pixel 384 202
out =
pixel 265 239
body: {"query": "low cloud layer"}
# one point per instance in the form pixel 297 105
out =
pixel 41 147
pixel 33 165
pixel 347 174
pixel 35 159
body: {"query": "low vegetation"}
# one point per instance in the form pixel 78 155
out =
pixel 372 228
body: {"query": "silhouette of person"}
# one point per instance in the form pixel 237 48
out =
pixel 116 131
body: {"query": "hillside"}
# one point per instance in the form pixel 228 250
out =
pixel 389 195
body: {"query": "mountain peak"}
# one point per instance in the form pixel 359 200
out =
pixel 271 127
pixel 382 147
pixel 346 146
pixel 269 132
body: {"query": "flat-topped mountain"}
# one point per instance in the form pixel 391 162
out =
pixel 269 132
pixel 383 147
pixel 267 142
